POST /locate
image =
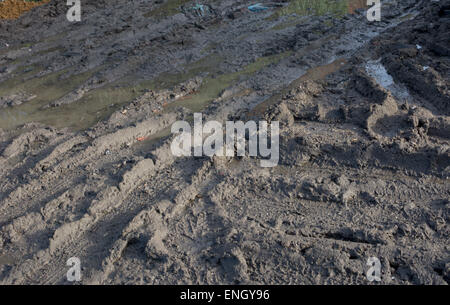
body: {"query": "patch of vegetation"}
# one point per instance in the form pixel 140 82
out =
pixel 315 7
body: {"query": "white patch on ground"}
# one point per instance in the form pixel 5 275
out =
pixel 376 70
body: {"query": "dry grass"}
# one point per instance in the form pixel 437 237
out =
pixel 13 9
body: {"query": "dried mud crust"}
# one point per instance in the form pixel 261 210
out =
pixel 364 171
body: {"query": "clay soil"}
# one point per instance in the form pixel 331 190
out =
pixel 86 168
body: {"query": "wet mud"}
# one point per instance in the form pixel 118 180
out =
pixel 87 170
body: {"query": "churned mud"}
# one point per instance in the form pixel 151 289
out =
pixel 87 171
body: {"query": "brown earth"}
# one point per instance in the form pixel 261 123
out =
pixel 13 9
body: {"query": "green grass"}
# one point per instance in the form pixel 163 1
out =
pixel 314 7
pixel 100 103
pixel 46 89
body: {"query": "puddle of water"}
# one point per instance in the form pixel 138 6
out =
pixel 376 70
pixel 100 103
pixel 147 144
pixel 47 88
pixel 95 106
pixel 211 88
pixel 313 74
pixel 214 85
pixel 208 64
pixel 320 72
pixel 407 17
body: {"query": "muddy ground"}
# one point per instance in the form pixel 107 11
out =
pixel 87 171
